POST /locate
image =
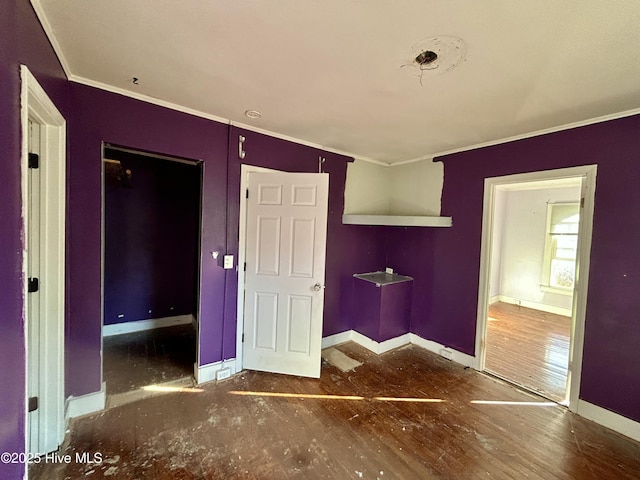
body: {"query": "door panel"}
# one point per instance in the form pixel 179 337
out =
pixel 285 257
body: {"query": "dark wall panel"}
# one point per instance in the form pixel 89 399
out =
pixel 152 216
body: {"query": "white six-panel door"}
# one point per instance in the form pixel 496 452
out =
pixel 284 279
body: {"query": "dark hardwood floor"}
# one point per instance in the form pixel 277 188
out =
pixel 529 347
pixel 407 414
pixel 134 360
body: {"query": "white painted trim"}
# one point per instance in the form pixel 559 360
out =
pixel 199 113
pixel 146 98
pixel 583 261
pixel 86 404
pixel 431 156
pixel 413 160
pixel 533 305
pixel 379 347
pixel 337 339
pixel 36 105
pixel 537 133
pixel 397 220
pixel 609 419
pixel 103 86
pixel 148 324
pixel 435 347
pixel 382 347
pixel 588 174
pixel 306 143
pixel 207 373
pixel 46 26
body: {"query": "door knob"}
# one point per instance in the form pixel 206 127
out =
pixel 317 287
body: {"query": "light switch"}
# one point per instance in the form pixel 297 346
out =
pixel 228 262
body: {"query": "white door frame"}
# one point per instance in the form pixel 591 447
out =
pixel 588 173
pixel 245 170
pixel 37 106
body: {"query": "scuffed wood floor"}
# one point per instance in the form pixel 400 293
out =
pixel 407 414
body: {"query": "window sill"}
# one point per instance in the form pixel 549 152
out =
pixel 560 291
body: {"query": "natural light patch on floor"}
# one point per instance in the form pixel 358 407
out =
pixel 508 403
pixel 335 397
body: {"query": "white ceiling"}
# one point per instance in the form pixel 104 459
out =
pixel 329 72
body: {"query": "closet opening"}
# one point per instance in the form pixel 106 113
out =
pixel 151 272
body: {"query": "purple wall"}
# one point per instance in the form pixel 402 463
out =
pixel 101 116
pixel 22 40
pixel 610 377
pixel 383 312
pixel 443 262
pixel 152 223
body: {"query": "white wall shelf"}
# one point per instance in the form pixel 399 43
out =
pixel 397 220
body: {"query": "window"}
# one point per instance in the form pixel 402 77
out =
pixel 561 246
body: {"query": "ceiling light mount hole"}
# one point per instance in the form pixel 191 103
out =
pixel 434 56
pixel 426 57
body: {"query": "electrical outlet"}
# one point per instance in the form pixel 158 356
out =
pixel 446 353
pixel 228 262
pixel 388 270
pixel 223 373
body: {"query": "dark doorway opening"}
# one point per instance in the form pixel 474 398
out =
pixel 152 225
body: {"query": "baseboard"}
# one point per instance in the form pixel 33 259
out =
pixel 379 347
pixel 444 351
pixel 382 347
pixel 364 341
pixel 142 325
pixel 207 373
pixel 609 419
pixel 337 339
pixel 86 404
pixel 536 306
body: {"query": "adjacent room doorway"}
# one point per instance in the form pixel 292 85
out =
pixel 534 268
pixel 151 270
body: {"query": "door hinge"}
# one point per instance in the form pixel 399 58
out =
pixel 33 404
pixel 33 285
pixel 243 338
pixel 34 160
pixel 582 202
pixel 247 193
pixel 245 266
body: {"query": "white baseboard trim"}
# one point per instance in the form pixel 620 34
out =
pixel 364 341
pixel 207 373
pixel 150 324
pixel 86 404
pixel 438 348
pixel 380 347
pixel 337 339
pixel 536 306
pixel 609 419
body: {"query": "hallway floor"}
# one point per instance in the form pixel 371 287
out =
pixel 407 414
pixel 134 360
